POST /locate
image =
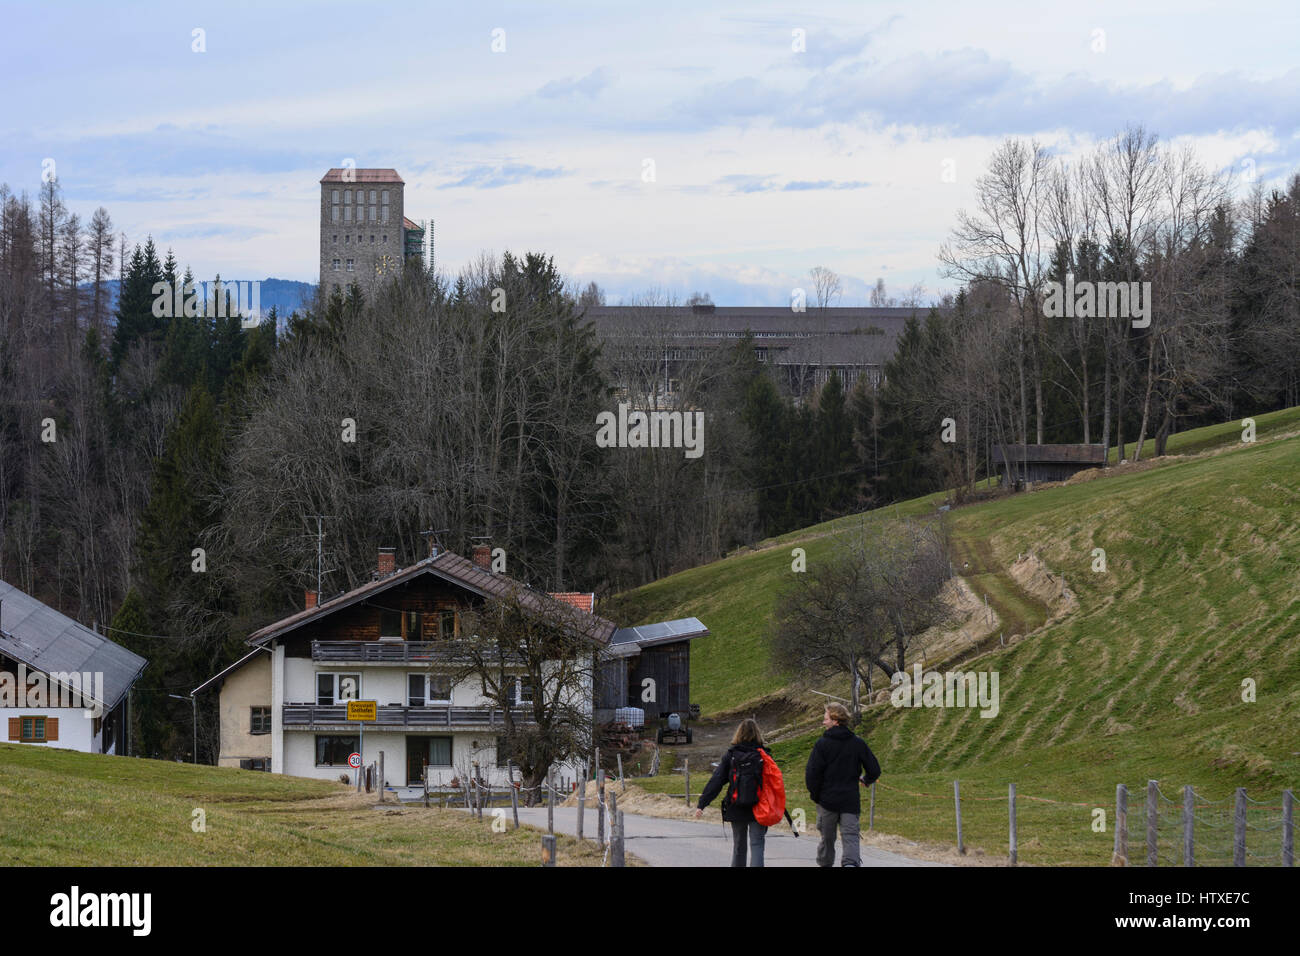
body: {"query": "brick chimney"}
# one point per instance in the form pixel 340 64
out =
pixel 387 561
pixel 483 556
pixel 310 601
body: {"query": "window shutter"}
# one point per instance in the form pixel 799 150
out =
pixel 15 728
pixel 51 728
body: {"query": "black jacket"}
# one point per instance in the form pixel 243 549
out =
pixel 838 758
pixel 722 775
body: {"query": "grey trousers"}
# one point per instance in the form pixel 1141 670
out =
pixel 745 833
pixel 827 821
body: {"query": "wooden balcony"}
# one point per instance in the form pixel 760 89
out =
pixel 382 652
pixel 398 717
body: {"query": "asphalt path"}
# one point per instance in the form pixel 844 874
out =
pixel 665 842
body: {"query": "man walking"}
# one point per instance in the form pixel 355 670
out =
pixel 832 774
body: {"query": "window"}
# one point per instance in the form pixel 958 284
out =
pixel 347 213
pixel 413 624
pixel 426 690
pixel 332 751
pixel 336 265
pixel 335 196
pixel 373 214
pixel 347 239
pixel 503 753
pixel 439 751
pixel 383 197
pixel 347 196
pixel 374 196
pixel 349 265
pixel 334 238
pixel 334 214
pixel 34 730
pixel 390 623
pixel 337 688
pixel 372 238
pixel 446 625
pixel 383 215
pixel 259 763
pixel 385 239
pixel 522 693
pixel 259 720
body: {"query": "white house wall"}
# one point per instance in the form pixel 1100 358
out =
pixel 76 730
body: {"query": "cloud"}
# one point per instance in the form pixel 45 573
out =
pixel 748 183
pixel 588 86
pixel 506 174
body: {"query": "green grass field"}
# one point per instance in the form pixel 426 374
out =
pixel 61 808
pixel 1143 680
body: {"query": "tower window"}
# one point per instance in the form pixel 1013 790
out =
pixel 347 196
pixel 334 214
pixel 347 213
pixel 384 196
pixel 335 196
pixel 373 195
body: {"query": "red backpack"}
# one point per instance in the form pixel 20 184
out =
pixel 771 795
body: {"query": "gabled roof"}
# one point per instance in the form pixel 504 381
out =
pixel 411 226
pixel 362 176
pixel 458 570
pixel 47 641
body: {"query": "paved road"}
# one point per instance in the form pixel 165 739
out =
pixel 662 842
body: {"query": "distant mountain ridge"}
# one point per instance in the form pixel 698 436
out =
pixel 286 295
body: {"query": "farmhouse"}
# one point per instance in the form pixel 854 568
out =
pixel 61 684
pixel 283 706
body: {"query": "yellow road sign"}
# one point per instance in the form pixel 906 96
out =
pixel 362 710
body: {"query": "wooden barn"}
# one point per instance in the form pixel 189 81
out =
pixel 656 652
pixel 1035 463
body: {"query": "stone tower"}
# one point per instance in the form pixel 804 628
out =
pixel 362 235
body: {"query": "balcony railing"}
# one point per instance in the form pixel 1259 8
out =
pixel 379 652
pixel 398 717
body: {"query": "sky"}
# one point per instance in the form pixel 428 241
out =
pixel 655 148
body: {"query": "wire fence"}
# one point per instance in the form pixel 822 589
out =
pixel 1143 826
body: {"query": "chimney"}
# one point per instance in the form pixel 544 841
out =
pixel 311 600
pixel 387 561
pixel 483 556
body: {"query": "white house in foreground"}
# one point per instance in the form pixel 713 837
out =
pixel 283 706
pixel 61 684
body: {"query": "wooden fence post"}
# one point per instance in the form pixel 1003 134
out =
pixel 514 792
pixel 1153 821
pixel 600 808
pixel 548 849
pixel 615 837
pixel 956 796
pixel 425 775
pixel 582 799
pixel 382 777
pixel 1120 856
pixel 1288 831
pixel 1189 815
pixel 621 782
pixel 1239 830
pixel 1011 809
pixel 550 801
pixel 618 854
pixel 686 769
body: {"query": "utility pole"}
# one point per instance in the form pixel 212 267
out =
pixel 320 557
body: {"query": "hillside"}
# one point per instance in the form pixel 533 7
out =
pixel 60 808
pixel 1141 680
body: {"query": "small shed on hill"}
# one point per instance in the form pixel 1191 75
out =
pixel 1035 463
pixel 659 653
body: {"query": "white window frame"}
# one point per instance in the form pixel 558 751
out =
pixel 334 689
pixel 429 699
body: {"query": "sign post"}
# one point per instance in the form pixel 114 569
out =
pixel 361 711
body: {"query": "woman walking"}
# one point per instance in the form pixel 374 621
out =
pixel 741 768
